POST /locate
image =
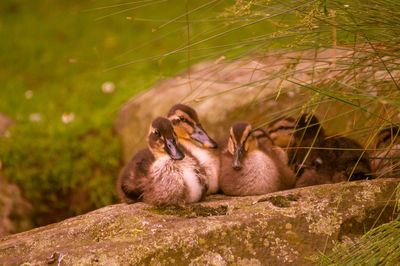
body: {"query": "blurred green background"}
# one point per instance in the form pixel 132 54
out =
pixel 55 58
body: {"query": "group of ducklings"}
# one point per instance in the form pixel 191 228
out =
pixel 182 163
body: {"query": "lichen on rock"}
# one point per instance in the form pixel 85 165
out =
pixel 221 230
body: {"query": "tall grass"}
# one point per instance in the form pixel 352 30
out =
pixel 364 87
pixel 356 47
pixel 380 246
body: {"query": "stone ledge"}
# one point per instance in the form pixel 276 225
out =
pixel 286 228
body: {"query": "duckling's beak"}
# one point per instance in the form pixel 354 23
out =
pixel 172 149
pixel 201 136
pixel 237 157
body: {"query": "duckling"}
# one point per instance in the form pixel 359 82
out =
pixel 387 136
pixel 314 170
pixel 387 162
pixel 164 174
pixel 267 144
pixel 343 157
pixel 194 138
pixel 307 132
pixel 281 131
pixel 186 125
pixel 278 155
pixel 308 165
pixel 133 176
pixel 351 162
pixel 248 169
pixel 339 159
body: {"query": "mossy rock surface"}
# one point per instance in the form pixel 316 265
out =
pixel 283 228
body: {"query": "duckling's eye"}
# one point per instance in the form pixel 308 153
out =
pixel 156 132
pixel 182 118
pixel 317 163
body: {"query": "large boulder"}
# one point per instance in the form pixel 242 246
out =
pixel 224 91
pixel 283 228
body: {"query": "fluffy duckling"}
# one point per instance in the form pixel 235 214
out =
pixel 194 138
pixel 308 165
pixel 165 173
pixel 386 162
pixel 247 168
pixel 278 155
pixel 133 176
pixel 307 132
pixel 266 144
pixel 351 163
pixel 342 157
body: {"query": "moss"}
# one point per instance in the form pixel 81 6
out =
pixel 191 211
pixel 209 258
pixel 138 235
pixel 281 201
pixel 246 242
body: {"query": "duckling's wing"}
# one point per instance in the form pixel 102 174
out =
pixel 134 175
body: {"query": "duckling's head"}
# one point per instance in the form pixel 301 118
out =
pixel 262 136
pixel 241 141
pixel 308 126
pixel 162 140
pixel 187 125
pixel 281 131
pixel 386 136
pixel 284 130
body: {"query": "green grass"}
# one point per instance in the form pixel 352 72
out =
pixel 379 246
pixel 63 51
pixel 60 52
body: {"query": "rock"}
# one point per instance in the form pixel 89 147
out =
pixel 5 123
pixel 247 89
pixel 15 211
pixel 283 228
